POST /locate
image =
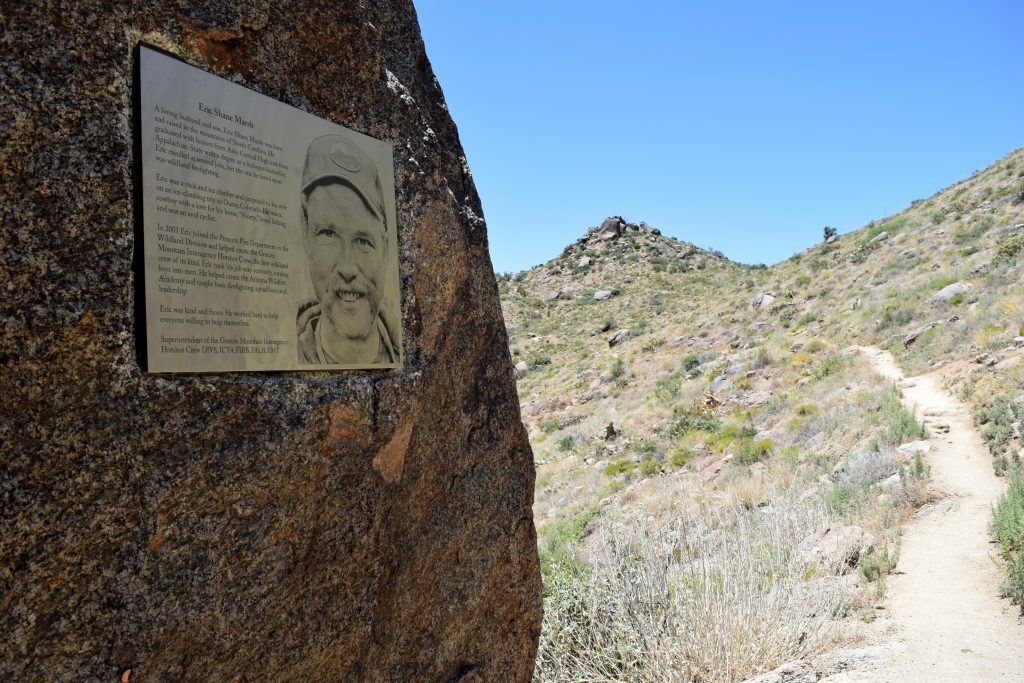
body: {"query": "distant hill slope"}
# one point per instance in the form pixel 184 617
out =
pixel 669 391
pixel 873 285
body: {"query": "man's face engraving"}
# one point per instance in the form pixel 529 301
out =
pixel 346 245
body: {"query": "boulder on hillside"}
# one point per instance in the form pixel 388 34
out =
pixel 763 301
pixel 619 337
pixel 720 384
pixel 602 294
pixel 584 261
pixel 913 335
pixel 880 237
pixel 944 295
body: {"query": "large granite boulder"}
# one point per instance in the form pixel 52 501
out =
pixel 357 526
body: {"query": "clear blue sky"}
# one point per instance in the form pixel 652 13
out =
pixel 745 127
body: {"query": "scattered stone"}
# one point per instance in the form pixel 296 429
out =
pixel 855 658
pixel 949 291
pixel 985 359
pixel 942 507
pixel 522 367
pixel 796 671
pixel 914 447
pixel 584 261
pixel 720 384
pixel 891 484
pixel 605 326
pixel 710 470
pixel 602 294
pixel 756 398
pixel 619 337
pixel 881 237
pixel 837 547
pixel 915 334
pixel 1018 342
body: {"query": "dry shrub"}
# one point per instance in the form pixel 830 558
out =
pixel 712 597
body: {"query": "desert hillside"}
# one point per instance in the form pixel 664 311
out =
pixel 712 425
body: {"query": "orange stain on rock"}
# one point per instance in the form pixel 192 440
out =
pixel 348 425
pixel 390 459
pixel 219 47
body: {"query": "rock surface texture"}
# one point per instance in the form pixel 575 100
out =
pixel 354 526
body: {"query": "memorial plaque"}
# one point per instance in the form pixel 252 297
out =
pixel 269 234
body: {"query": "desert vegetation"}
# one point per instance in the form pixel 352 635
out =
pixel 679 405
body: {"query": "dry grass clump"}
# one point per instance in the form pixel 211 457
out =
pixel 713 595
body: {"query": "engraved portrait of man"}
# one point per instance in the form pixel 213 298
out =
pixel 348 246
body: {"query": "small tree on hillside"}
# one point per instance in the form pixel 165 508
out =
pixel 830 232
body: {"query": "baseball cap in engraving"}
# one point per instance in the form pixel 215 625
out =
pixel 335 157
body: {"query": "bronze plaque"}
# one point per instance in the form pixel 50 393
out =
pixel 269 234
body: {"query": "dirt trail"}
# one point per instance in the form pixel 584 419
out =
pixel 945 619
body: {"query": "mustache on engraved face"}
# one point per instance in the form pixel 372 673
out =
pixel 354 291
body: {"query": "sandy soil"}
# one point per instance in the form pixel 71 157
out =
pixel 944 620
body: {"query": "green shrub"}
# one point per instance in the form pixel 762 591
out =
pixel 815 346
pixel 998 416
pixel 1018 195
pixel 681 456
pixel 1007 530
pixel 557 545
pixel 538 361
pixel 694 417
pixel 750 451
pixel 973 231
pixel 889 226
pixel 566 443
pixel 829 365
pixel 691 362
pixel 1010 247
pixel 806 319
pixel 667 388
pixel 940 282
pixel 618 368
pixel 550 424
pixel 621 466
pixel 894 315
pixel 649 467
pixel 877 564
pixel 898 423
pixel 841 499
